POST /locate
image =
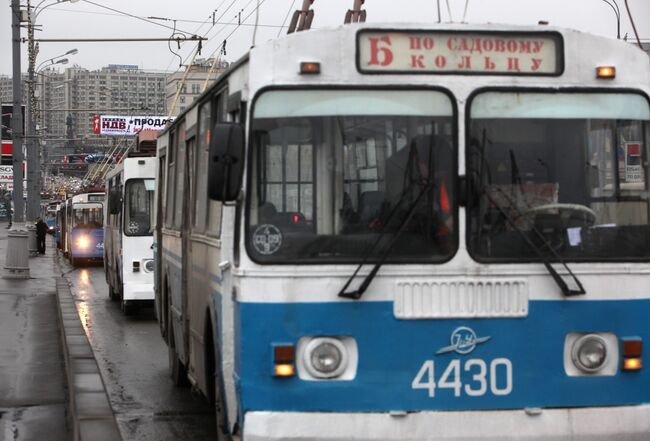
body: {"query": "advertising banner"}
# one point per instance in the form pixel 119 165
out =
pixel 6 173
pixel 115 125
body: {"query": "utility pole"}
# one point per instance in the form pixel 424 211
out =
pixel 17 261
pixel 32 143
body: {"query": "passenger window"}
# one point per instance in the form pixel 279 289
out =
pixel 179 188
pixel 201 168
pixel 171 179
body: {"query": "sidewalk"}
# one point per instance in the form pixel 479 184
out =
pixel 36 316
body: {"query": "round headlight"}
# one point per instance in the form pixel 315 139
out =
pixel 148 265
pixel 325 357
pixel 589 353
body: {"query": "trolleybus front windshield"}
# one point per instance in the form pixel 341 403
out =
pixel 335 174
pixel 88 216
pixel 568 170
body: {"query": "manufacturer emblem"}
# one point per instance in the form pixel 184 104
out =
pixel 463 341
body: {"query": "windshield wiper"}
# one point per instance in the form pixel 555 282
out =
pixel 566 290
pixel 357 293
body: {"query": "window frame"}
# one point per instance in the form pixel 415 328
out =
pixel 170 165
pixel 471 251
pixel 125 207
pixel 454 172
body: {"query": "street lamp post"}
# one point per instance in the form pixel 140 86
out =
pixel 33 146
pixel 17 261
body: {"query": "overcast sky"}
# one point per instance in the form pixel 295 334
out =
pixel 92 19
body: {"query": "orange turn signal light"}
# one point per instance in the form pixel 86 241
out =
pixel 309 67
pixel 283 360
pixel 606 72
pixel 632 348
pixel 632 364
pixel 284 370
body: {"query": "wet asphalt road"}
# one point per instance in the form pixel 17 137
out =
pixel 132 358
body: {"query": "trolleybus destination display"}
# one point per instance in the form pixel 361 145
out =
pixel 476 53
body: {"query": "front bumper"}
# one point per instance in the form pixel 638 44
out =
pixel 627 423
pixel 138 291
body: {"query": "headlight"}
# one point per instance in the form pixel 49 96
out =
pixel 83 242
pixel 148 265
pixel 325 357
pixel 589 353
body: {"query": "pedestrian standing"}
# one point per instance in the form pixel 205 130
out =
pixel 41 231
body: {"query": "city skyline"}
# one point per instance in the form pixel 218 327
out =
pixel 88 19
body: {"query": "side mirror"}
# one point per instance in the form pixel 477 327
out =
pixel 226 162
pixel 114 202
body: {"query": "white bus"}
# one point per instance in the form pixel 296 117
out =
pixel 422 232
pixel 128 233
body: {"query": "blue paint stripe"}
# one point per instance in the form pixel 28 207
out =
pixel 392 351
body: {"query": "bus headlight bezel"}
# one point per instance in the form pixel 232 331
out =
pixel 597 346
pixel 148 265
pixel 343 351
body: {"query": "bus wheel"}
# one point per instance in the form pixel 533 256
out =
pixel 112 294
pixel 215 384
pixel 128 307
pixel 177 371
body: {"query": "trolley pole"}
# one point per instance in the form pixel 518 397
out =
pixel 17 260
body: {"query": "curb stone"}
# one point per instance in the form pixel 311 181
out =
pixel 89 410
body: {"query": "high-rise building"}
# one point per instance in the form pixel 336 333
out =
pixel 195 81
pixel 7 90
pixel 70 99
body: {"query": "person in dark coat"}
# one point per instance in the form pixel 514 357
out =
pixel 41 231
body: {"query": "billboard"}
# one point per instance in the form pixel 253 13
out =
pixel 7 177
pixel 115 125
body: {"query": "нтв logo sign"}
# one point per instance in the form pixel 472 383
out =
pixel 463 341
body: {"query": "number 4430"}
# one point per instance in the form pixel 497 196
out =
pixel 499 377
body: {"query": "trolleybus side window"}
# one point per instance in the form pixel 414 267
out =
pixel 179 187
pixel 339 174
pixel 171 179
pixel 568 170
pixel 201 168
pixel 160 188
pixel 214 207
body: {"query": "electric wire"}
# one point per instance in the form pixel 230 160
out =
pixel 636 34
pixel 286 17
pixel 449 11
pixel 612 4
pixel 133 16
pixel 205 35
pixel 178 20
pixel 465 11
